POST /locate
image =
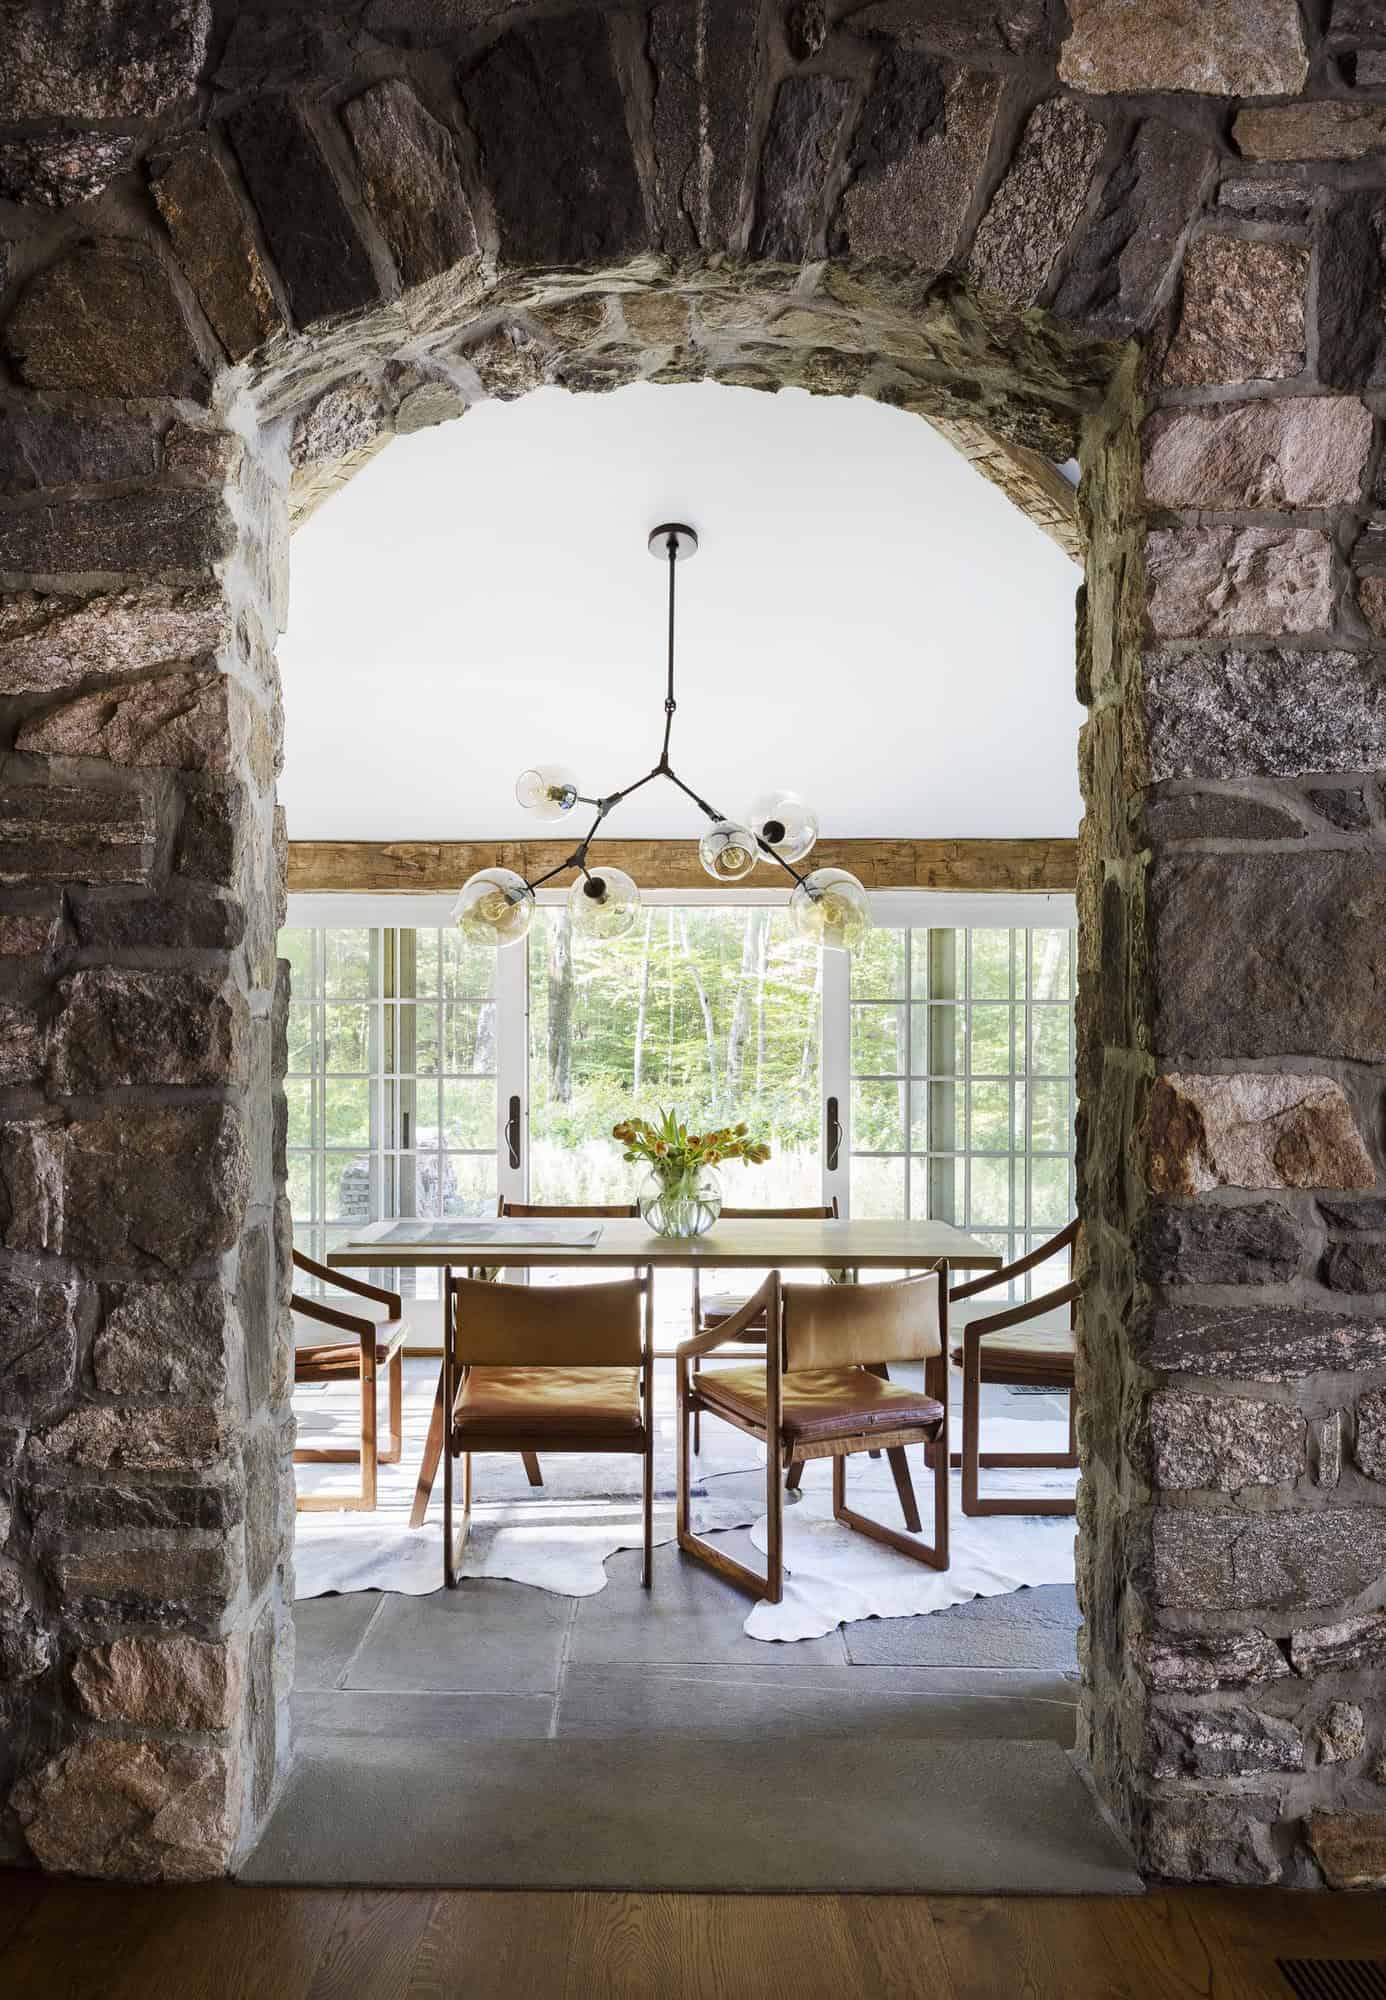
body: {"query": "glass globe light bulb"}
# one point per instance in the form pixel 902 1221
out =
pixel 832 907
pixel 547 790
pixel 496 907
pixel 783 821
pixel 604 903
pixel 727 851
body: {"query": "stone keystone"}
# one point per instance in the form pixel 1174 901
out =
pixel 1253 1130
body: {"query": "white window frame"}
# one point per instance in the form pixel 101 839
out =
pixel 895 908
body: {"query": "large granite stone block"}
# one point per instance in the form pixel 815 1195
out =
pixel 1121 258
pixel 1290 451
pixel 77 833
pixel 1271 1562
pixel 411 181
pixel 174 533
pixel 805 126
pixel 1269 713
pixel 1260 1343
pixel 707 61
pixel 133 1811
pixel 1224 582
pixel 75 59
pixel 311 237
pixel 1222 1444
pixel 547 112
pixel 214 244
pixel 916 159
pixel 1258 1244
pixel 1253 1129
pixel 1242 317
pixel 117 1028
pixel 1034 211
pixel 103 321
pixel 1270 955
pixel 1223 48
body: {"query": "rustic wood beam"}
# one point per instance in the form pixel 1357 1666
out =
pixel 421 866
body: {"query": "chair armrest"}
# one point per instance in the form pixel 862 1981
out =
pixel 1028 1309
pixel 349 1284
pixel 345 1322
pixel 731 1329
pixel 1020 1266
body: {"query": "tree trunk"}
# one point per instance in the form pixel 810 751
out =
pixel 741 1013
pixel 709 1026
pixel 762 954
pixel 560 1008
pixel 644 1006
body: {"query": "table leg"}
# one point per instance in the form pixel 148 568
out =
pixel 432 1452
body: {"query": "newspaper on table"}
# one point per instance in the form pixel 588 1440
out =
pixel 541 1232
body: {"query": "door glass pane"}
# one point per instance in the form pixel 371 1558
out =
pixel 879 970
pixel 469 1114
pixel 348 1109
pixel 349 1033
pixel 970 1137
pixel 880 1041
pixel 711 1011
pixel 351 958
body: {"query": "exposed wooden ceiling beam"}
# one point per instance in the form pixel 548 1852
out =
pixel 421 866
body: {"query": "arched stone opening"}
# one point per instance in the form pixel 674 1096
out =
pixel 319 229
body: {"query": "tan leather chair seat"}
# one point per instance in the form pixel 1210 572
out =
pixel 821 1403
pixel 1042 1355
pixel 331 1363
pixel 596 1402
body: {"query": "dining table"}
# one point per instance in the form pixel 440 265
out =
pixel 846 1244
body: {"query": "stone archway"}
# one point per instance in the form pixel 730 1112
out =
pixel 239 256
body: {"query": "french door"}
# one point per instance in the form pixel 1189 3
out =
pixel 930 1076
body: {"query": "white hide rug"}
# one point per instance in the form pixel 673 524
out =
pixel 558 1537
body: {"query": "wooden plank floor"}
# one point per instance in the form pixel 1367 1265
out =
pixel 76 1941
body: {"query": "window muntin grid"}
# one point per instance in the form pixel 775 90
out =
pixel 391 1083
pixel 962 1080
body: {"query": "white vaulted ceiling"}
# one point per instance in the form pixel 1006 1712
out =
pixel 867 621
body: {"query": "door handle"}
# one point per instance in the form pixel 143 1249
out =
pixel 512 1133
pixel 833 1136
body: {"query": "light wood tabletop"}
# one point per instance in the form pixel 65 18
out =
pixel 768 1243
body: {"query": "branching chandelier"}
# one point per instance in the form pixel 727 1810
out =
pixel 496 906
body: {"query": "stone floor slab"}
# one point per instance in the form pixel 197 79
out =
pixel 344 1712
pixel 687 1814
pixel 691 1617
pixel 857 1704
pixel 484 1637
pixel 1024 1629
pixel 327 1632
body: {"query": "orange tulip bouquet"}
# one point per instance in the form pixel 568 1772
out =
pixel 682 1194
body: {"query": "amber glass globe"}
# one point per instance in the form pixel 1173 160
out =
pixel 496 907
pixel 549 791
pixel 604 903
pixel 727 851
pixel 785 823
pixel 832 907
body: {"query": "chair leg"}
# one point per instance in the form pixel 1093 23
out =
pixel 774 1524
pixel 532 1472
pixel 647 1572
pixel 717 1560
pixel 697 1432
pixel 900 1472
pixel 794 1476
pixel 396 1380
pixel 369 1433
pixel 935 1557
pixel 428 1465
pixel 971 1424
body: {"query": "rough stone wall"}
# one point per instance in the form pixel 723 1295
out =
pixel 238 251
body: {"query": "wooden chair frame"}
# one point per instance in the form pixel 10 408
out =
pixel 367 1332
pixel 522 1440
pixel 433 1443
pixel 770 1586
pixel 972 1459
pixel 820 1211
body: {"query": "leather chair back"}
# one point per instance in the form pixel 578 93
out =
pixel 556 1208
pixel 825 1211
pixel 568 1326
pixel 842 1326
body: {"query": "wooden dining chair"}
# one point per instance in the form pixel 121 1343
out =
pixel 374 1344
pixel 718 1307
pixel 822 1392
pixel 528 1368
pixel 433 1443
pixel 993 1350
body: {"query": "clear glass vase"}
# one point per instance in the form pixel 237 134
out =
pixel 684 1204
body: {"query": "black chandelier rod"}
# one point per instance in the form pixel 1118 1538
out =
pixel 663 769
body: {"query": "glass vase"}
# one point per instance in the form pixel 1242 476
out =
pixel 684 1204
